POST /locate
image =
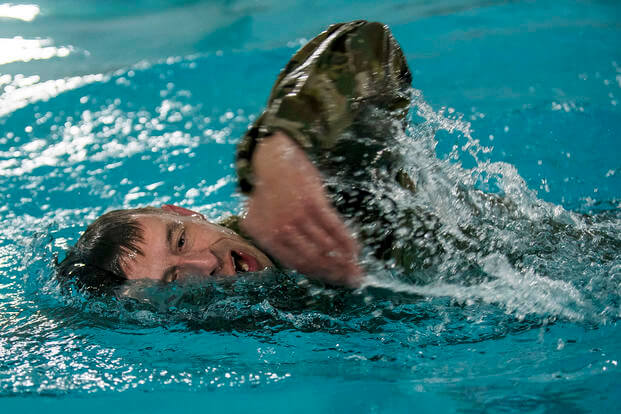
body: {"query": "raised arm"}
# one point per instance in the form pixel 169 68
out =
pixel 320 95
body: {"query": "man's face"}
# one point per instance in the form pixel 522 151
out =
pixel 180 243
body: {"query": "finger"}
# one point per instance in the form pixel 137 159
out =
pixel 319 267
pixel 299 250
pixel 317 235
pixel 312 260
pixel 346 253
pixel 331 222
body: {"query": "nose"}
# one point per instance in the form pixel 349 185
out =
pixel 203 263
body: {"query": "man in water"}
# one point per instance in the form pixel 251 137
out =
pixel 313 160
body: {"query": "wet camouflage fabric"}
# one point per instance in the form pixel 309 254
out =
pixel 326 86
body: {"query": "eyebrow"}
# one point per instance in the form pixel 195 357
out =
pixel 170 231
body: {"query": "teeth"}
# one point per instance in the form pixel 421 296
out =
pixel 245 267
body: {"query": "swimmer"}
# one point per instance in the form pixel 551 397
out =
pixel 304 168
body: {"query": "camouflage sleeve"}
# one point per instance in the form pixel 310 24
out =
pixel 321 91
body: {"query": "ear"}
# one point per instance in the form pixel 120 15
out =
pixel 182 211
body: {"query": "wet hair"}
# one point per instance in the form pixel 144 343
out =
pixel 95 263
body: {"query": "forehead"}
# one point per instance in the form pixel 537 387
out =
pixel 155 223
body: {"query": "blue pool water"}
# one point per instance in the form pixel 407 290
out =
pixel 108 105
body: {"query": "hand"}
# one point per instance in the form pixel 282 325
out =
pixel 290 216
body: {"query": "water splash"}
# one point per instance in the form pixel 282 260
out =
pixel 497 242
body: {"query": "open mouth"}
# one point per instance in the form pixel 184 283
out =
pixel 243 262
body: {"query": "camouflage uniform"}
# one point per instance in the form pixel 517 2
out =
pixel 342 98
pixel 326 88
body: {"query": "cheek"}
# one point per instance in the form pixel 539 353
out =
pixel 143 268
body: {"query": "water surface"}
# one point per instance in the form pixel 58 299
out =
pixel 113 106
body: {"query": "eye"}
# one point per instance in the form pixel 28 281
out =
pixel 181 240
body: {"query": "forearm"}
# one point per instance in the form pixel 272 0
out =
pixel 329 113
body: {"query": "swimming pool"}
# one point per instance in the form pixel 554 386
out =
pixel 105 105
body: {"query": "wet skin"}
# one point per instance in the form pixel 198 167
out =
pixel 179 243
